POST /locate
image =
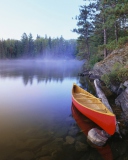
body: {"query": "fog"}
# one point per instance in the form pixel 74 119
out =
pixel 39 69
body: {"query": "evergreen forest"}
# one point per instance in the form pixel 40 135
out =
pixel 102 26
pixel 41 47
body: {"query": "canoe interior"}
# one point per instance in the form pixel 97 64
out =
pixel 89 101
pixel 94 109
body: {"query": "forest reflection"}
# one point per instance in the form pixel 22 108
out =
pixel 45 71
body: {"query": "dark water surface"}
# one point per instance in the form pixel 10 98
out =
pixel 37 118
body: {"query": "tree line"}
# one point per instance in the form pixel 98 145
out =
pixel 102 26
pixel 44 47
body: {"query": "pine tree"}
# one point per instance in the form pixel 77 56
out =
pixel 30 45
pixel 25 44
pixel 85 29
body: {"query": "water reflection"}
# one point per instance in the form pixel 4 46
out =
pixel 87 85
pixel 86 124
pixel 34 103
pixel 46 71
pixel 35 109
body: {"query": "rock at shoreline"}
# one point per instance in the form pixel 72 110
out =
pixel 126 84
pixel 122 101
pixel 97 137
pixel 105 67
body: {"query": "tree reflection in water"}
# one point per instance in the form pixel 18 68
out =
pixel 40 70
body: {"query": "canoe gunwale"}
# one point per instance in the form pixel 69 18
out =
pixel 106 120
pixel 90 97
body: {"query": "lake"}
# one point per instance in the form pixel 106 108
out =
pixel 37 120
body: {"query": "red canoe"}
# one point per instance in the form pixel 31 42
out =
pixel 94 109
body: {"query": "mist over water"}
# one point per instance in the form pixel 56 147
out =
pixel 40 69
pixel 35 100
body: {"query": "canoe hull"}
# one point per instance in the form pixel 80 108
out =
pixel 105 121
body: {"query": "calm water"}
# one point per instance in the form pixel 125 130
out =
pixel 37 121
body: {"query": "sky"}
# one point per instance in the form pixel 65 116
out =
pixel 53 18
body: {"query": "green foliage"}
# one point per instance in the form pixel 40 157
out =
pixel 85 30
pixel 93 60
pixel 113 45
pixel 117 66
pixel 123 74
pixel 40 47
pixel 81 52
pixel 107 27
pixel 117 75
pixel 105 78
pixel 122 41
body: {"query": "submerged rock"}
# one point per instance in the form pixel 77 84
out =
pixel 81 146
pixel 70 140
pixel 27 155
pixel 51 148
pixel 45 158
pixel 73 131
pixel 34 144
